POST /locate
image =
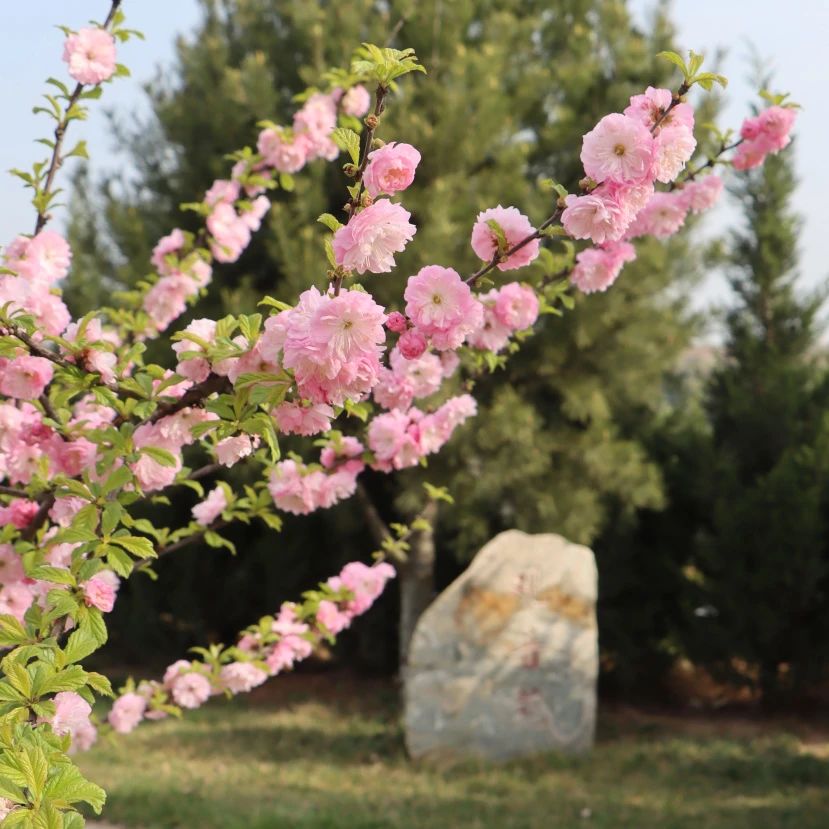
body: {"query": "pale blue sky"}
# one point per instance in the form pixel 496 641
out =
pixel 791 35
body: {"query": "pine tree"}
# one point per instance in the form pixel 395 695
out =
pixel 512 86
pixel 764 557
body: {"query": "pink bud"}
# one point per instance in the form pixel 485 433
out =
pixel 396 322
pixel 412 344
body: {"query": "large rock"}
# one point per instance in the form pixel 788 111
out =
pixel 504 662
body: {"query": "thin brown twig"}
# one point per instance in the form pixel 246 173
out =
pixel 60 133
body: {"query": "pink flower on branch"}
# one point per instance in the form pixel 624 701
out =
pixel 371 238
pixel 90 54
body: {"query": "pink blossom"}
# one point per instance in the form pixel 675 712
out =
pixel 222 191
pixel 618 148
pixel 165 248
pixel 344 447
pixel 90 54
pixel 594 216
pixel 211 507
pixel 663 216
pixel 25 378
pixel 240 677
pixel 366 583
pixel 296 419
pixel 45 258
pixel 196 369
pixel 167 299
pixel 371 238
pixel 396 322
pixel 230 233
pixel 492 334
pixel 673 148
pixel 332 344
pixel 412 344
pixel 332 618
pixel 703 194
pixel 317 117
pixel 231 450
pixel 99 592
pixel 253 215
pixel 150 474
pixel 127 711
pixel 441 305
pixel 516 228
pixel 15 599
pixel 356 101
pixel 597 268
pixel 65 509
pixel 391 168
pixel 516 306
pixel 19 513
pixel 190 690
pixel 72 713
pixel 287 156
pixel 650 107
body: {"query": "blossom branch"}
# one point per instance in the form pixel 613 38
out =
pixel 56 160
pixel 499 256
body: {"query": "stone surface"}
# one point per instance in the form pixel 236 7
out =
pixel 504 662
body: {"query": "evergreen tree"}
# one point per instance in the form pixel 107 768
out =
pixel 512 86
pixel 763 558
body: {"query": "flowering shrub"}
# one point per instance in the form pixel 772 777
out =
pixel 89 429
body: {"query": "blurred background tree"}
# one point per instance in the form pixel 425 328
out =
pixel 560 443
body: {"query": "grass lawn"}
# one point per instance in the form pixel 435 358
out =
pixel 327 753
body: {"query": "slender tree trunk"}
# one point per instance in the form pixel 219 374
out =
pixel 415 575
pixel 417 582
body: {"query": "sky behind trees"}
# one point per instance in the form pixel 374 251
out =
pixel 791 38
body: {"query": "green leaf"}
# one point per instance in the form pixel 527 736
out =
pixel 137 545
pixel 347 140
pixel 160 456
pixel 12 632
pixel 70 786
pixel 675 59
pixel 56 575
pixel 330 222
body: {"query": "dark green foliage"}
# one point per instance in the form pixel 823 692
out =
pixel 764 557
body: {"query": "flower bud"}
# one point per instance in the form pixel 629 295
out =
pixel 412 344
pixel 397 322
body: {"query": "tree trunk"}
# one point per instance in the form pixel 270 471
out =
pixel 417 583
pixel 415 575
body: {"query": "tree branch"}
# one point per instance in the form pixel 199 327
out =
pixel 60 132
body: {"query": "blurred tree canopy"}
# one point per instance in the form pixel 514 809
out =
pixel 560 441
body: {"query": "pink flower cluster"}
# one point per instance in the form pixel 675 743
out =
pixel 182 274
pixel 39 263
pixel 237 206
pixel 169 434
pixel 442 307
pixel 301 489
pixel 256 657
pixel 513 307
pixel 25 440
pixel 764 134
pixel 399 439
pixel 289 150
pixel 333 345
pixel 597 268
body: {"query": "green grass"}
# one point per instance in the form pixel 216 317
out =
pixel 312 755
